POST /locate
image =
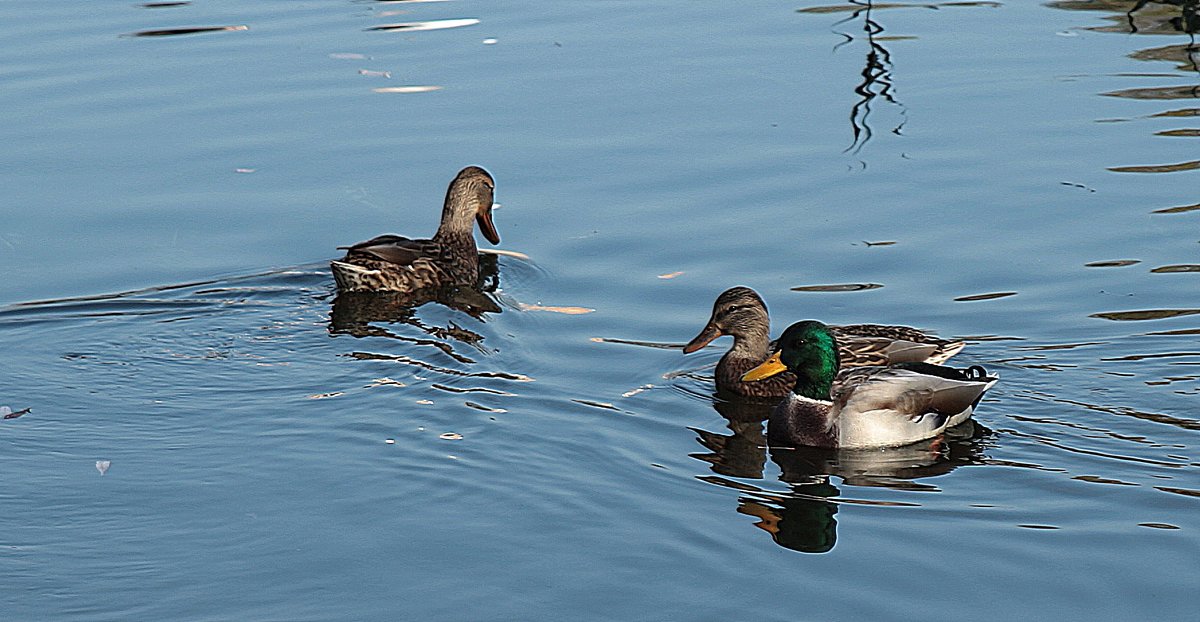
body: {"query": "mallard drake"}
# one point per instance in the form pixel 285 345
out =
pixel 862 407
pixel 741 313
pixel 397 264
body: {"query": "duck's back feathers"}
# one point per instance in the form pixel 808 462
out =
pixel 392 249
pixel 873 344
pixel 395 263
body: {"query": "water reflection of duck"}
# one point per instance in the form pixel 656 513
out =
pixel 742 454
pixel 804 518
pixel 861 407
pixel 398 264
pixel 741 313
pixel 353 312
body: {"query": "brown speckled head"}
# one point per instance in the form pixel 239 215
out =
pixel 469 198
pixel 739 312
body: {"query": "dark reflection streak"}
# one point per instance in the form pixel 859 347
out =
pixel 1142 357
pixel 876 82
pixel 1187 424
pixel 368 356
pixel 1188 21
pixel 1083 428
pixel 1100 454
pixel 445 348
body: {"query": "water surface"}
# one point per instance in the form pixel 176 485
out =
pixel 210 437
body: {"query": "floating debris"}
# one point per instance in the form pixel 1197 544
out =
pixel 451 436
pixel 379 382
pixel 645 387
pixel 245 171
pixel 370 73
pixel 670 275
pixel 441 24
pixel 883 243
pixel 485 409
pixel 497 251
pixel 407 89
pixel 349 56
pixel 564 310
pixel 102 466
pixel 390 441
pixel 322 396
pixel 490 41
pixel 424 402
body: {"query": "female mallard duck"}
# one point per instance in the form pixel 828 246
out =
pixel 862 407
pixel 397 264
pixel 741 313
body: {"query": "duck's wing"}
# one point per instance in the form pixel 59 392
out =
pixel 394 249
pixel 910 389
pixel 904 403
pixel 875 344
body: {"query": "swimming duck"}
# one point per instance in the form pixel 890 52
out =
pixel 397 264
pixel 742 314
pixel 862 407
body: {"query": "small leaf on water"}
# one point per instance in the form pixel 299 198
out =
pixel 565 310
pixel 406 89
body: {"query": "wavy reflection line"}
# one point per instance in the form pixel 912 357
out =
pixel 400 358
pixel 876 80
pixel 1187 424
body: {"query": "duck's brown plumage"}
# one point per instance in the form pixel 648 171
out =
pixel 741 313
pixel 398 264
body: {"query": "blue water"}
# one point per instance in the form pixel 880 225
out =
pixel 204 443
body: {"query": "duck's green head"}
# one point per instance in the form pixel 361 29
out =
pixel 807 349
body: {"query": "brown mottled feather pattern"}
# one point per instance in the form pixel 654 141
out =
pixel 398 264
pixel 741 313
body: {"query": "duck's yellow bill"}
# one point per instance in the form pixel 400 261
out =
pixel 769 367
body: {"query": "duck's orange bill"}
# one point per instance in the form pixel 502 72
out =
pixel 769 367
